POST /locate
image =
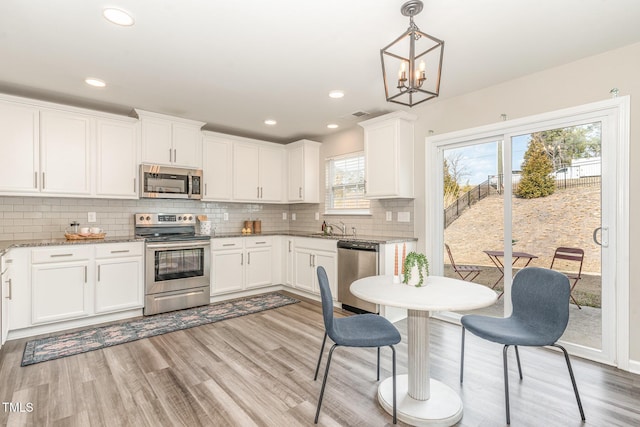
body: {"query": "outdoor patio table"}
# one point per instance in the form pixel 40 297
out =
pixel 421 400
pixel 495 256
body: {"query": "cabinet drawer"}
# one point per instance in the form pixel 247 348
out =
pixel 258 242
pixel 222 244
pixel 61 254
pixel 329 245
pixel 117 250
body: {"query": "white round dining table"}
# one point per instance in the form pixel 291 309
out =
pixel 421 400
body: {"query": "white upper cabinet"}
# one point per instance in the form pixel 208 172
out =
pixel 170 140
pixel 388 151
pixel 19 148
pixel 217 161
pixel 258 172
pixel 117 143
pixel 65 152
pixel 303 184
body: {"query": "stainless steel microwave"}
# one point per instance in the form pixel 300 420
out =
pixel 166 182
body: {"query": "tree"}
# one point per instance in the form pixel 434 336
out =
pixel 537 167
pixel 451 187
pixel 564 145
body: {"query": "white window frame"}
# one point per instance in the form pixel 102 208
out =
pixel 329 208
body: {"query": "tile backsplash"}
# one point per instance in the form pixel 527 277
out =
pixel 26 218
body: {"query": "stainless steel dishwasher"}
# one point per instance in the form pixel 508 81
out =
pixel 356 260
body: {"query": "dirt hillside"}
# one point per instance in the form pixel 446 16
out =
pixel 566 218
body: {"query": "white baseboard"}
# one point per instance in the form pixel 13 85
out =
pixel 634 366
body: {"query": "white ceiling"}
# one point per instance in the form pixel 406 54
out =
pixel 234 63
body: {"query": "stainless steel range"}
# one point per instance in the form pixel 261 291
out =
pixel 177 262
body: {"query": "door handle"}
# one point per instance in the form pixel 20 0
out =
pixel 175 155
pixel 604 236
pixel 258 190
pixel 310 262
pixel 169 155
pixel 300 192
pixel 248 258
pixel 241 259
pixel 289 245
pixel 98 272
pixel 10 290
pixel 85 274
pixel 43 180
pixel 35 180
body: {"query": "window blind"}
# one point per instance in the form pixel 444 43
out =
pixel 345 187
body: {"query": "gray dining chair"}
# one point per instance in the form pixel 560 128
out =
pixel 361 330
pixel 540 299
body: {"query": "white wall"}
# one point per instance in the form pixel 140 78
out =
pixel 577 83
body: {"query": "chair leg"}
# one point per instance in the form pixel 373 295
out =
pixel 324 382
pixel 518 359
pixel 324 340
pixel 462 356
pixel 573 380
pixel 393 351
pixel 571 294
pixel 506 382
pixel 378 375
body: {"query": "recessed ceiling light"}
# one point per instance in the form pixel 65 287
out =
pixel 92 81
pixel 332 126
pixel 117 16
pixel 336 94
pixel 270 122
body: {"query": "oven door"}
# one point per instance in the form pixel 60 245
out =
pixel 174 266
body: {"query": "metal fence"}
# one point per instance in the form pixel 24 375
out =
pixel 494 185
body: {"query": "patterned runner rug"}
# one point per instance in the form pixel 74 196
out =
pixel 50 348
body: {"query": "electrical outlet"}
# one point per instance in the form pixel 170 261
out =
pixel 225 216
pixel 284 216
pixel 317 216
pixel 389 216
pixel 91 217
pixel 293 217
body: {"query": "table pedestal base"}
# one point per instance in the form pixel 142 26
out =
pixel 443 408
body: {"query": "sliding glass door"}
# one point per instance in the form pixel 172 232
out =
pixel 539 192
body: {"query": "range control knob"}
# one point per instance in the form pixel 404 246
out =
pixel 148 218
pixel 179 218
pixel 190 218
pixel 141 218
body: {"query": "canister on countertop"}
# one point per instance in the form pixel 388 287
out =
pixel 257 226
pixel 248 225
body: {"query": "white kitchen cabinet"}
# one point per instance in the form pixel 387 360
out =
pixel 217 161
pixel 259 268
pixel 303 183
pixel 19 148
pixel 241 263
pixel 117 145
pixel 389 156
pixel 119 280
pixel 258 172
pixel 168 140
pixel 17 289
pixel 227 265
pixel 309 254
pixel 6 288
pixel 65 152
pixel 60 283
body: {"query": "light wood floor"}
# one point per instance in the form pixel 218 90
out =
pixel 257 371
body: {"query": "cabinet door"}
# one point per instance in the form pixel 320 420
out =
pixel 380 160
pixel 246 163
pixel 303 271
pixel 216 168
pixel 156 141
pixel 329 261
pixel 227 271
pixel 271 174
pixel 295 182
pixel 19 155
pixel 259 268
pixel 187 145
pixel 119 284
pixel 289 261
pixel 117 159
pixel 65 147
pixel 60 291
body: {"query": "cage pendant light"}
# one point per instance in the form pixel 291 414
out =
pixel 416 59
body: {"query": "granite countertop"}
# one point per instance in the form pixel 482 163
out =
pixel 319 235
pixel 9 244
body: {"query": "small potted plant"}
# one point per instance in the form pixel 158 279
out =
pixel 415 269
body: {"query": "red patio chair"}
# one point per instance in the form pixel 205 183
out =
pixel 466 272
pixel 571 255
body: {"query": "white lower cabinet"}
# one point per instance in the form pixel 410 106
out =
pixel 241 263
pixel 119 277
pixel 308 255
pixel 60 286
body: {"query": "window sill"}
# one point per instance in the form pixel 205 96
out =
pixel 348 212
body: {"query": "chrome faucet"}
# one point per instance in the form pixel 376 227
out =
pixel 342 227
